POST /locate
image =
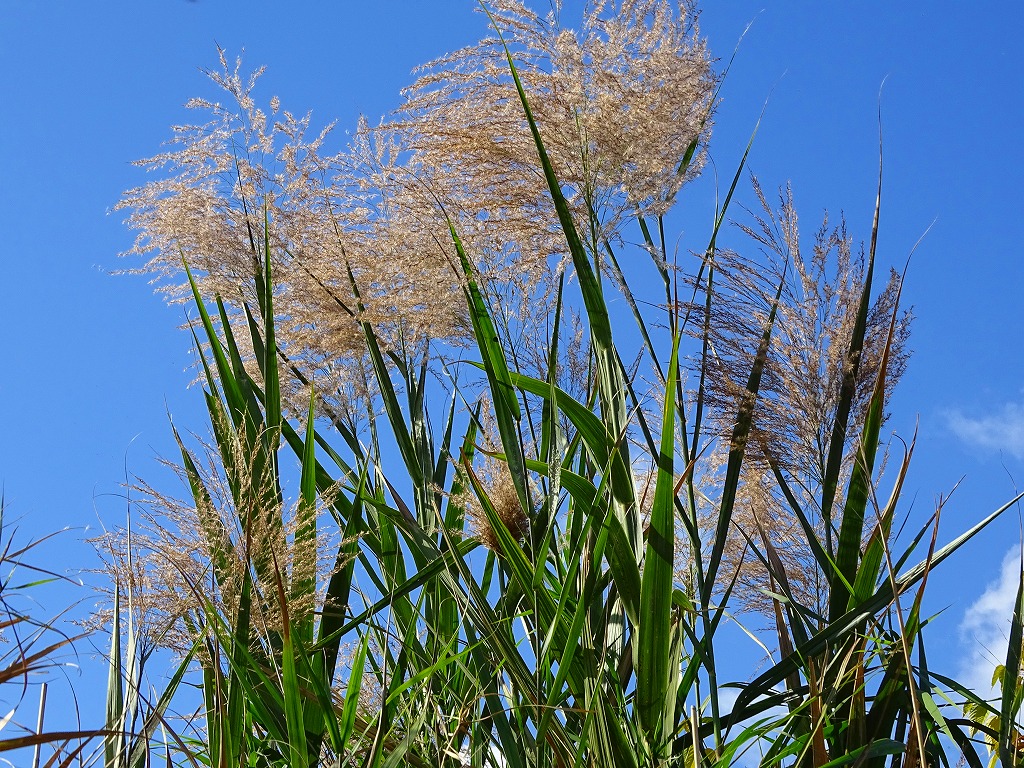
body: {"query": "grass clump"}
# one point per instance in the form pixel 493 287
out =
pixel 531 482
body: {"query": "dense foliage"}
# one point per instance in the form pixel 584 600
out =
pixel 489 483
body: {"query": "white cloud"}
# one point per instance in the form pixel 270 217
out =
pixel 1002 430
pixel 986 626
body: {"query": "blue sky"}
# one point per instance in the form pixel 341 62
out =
pixel 93 362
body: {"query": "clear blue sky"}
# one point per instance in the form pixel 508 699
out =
pixel 92 362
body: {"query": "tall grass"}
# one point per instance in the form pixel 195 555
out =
pixel 34 650
pixel 573 638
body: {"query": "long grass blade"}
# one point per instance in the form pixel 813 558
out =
pixel 656 703
pixel 1009 704
pixel 737 450
pixel 847 392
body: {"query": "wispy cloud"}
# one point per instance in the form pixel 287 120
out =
pixel 1002 430
pixel 986 627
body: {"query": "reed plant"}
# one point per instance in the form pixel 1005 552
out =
pixel 35 648
pixel 437 531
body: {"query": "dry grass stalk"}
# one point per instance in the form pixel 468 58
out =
pixel 799 393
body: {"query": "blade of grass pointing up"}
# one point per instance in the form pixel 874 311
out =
pixel 847 391
pixel 624 551
pixel 387 391
pixel 737 449
pixel 656 703
pixel 271 382
pixel 303 584
pixel 505 401
pixel 113 741
pixel 232 393
pixel 851 531
pixel 1009 705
